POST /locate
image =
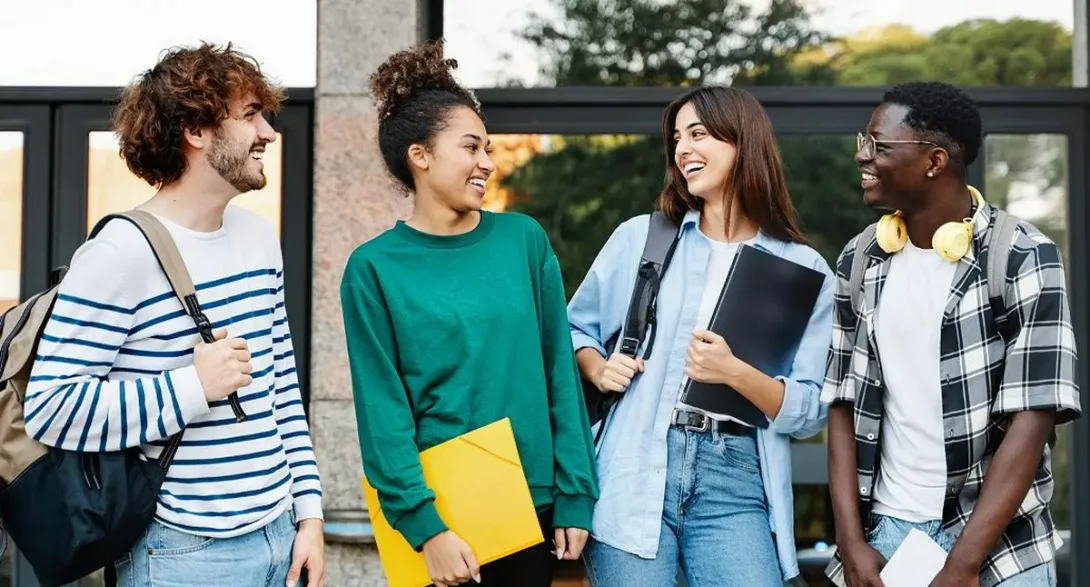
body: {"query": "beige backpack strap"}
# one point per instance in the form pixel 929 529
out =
pixel 162 244
pixel 170 260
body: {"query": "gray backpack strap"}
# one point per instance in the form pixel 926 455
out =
pixel 662 237
pixel 998 253
pixel 859 266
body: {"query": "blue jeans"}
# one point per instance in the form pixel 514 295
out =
pixel 888 533
pixel 714 521
pixel 164 557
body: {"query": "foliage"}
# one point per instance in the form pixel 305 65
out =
pixel 581 189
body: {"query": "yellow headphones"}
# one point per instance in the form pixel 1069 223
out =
pixel 951 241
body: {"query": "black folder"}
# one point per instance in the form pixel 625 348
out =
pixel 762 313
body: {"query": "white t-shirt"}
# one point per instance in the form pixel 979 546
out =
pixel 912 476
pixel 719 264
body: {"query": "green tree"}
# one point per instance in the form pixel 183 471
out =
pixel 1016 52
pixel 682 43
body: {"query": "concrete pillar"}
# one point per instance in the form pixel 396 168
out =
pixel 354 200
pixel 1080 48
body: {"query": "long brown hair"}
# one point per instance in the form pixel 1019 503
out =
pixel 756 179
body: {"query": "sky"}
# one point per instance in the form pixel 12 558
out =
pixel 107 42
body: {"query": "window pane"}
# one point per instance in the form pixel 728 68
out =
pixel 1027 176
pixel 823 178
pixel 579 187
pixel 11 217
pixel 822 42
pixel 111 187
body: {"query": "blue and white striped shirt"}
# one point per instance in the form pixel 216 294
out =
pixel 115 370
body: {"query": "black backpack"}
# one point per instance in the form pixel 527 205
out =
pixel 72 513
pixel 639 324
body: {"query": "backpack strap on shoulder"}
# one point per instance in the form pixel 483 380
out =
pixel 998 255
pixel 173 266
pixel 170 260
pixel 658 250
pixel 859 266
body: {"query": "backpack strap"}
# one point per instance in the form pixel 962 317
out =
pixel 658 249
pixel 173 266
pixel 169 259
pixel 859 267
pixel 998 254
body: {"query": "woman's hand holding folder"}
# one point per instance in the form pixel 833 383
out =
pixel 450 560
pixel 708 359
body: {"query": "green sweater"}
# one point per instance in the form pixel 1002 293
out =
pixel 449 333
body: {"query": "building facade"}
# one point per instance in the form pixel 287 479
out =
pixel 329 192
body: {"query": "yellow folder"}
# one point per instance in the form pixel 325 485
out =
pixel 480 493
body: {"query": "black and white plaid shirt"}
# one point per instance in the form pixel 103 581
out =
pixel 991 366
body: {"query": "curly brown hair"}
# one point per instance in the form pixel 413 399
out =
pixel 414 92
pixel 188 89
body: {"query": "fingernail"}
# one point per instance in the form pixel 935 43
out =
pixel 477 577
pixel 559 555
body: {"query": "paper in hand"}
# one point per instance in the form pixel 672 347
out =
pixel 915 563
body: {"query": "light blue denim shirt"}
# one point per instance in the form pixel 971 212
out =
pixel 632 456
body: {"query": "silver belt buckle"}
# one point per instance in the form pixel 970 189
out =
pixel 705 421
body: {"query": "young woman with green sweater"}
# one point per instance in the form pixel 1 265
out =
pixel 455 318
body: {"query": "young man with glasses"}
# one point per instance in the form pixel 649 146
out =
pixel 943 399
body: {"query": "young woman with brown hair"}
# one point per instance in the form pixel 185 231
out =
pixel 680 485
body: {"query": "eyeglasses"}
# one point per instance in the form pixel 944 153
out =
pixel 867 144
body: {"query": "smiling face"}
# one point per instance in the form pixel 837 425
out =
pixel 237 146
pixel 894 165
pixel 457 165
pixel 703 160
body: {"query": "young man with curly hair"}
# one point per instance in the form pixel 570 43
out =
pixel 120 364
pixel 943 396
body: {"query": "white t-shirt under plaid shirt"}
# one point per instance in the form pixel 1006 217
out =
pixel 115 370
pixel 990 367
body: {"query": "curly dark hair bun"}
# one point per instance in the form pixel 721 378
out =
pixel 415 93
pixel 412 70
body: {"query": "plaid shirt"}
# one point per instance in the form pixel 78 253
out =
pixel 991 366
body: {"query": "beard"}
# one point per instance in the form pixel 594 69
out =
pixel 229 160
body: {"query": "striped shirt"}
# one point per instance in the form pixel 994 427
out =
pixel 114 370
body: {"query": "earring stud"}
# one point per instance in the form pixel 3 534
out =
pixel 930 174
